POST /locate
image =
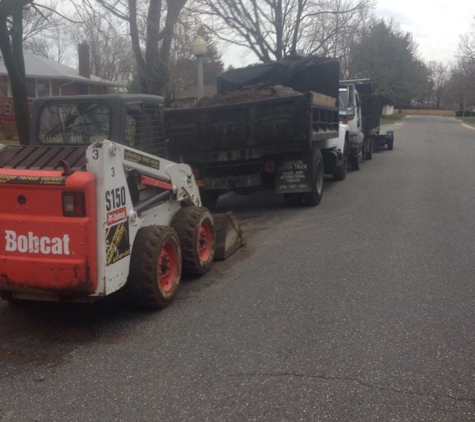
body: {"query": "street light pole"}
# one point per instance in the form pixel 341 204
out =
pixel 200 83
pixel 199 49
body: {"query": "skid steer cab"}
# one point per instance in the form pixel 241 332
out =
pixel 110 217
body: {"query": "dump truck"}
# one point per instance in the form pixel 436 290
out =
pixel 361 109
pixel 93 206
pixel 272 124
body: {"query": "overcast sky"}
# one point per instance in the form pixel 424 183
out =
pixel 435 25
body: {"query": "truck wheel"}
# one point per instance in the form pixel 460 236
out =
pixel 195 228
pixel 390 145
pixel 247 190
pixel 209 198
pixel 355 163
pixel 293 199
pixel 369 154
pixel 155 268
pixel 340 173
pixel 314 197
pixel 8 297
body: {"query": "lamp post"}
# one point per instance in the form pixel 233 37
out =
pixel 199 48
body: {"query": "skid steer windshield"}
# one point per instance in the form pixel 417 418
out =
pixel 74 122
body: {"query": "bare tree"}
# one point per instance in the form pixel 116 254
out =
pixel 54 44
pixel 332 35
pixel 438 73
pixel 182 63
pixel 11 44
pixel 273 29
pixel 152 54
pixel 12 33
pixel 463 74
pixel 45 33
pixel 110 49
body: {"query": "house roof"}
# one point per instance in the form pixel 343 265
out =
pixel 41 67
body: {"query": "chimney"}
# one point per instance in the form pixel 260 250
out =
pixel 84 60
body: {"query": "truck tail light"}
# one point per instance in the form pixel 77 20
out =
pixel 270 167
pixel 74 204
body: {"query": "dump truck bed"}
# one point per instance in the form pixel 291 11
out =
pixel 371 107
pixel 250 130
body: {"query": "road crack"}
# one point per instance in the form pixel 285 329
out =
pixel 357 381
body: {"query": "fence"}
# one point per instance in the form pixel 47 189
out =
pixel 425 112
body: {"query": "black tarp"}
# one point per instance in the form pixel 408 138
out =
pixel 371 107
pixel 303 74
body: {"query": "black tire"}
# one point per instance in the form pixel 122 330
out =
pixel 390 145
pixel 340 173
pixel 209 198
pixel 293 199
pixel 369 153
pixel 195 229
pixel 355 163
pixel 247 190
pixel 8 297
pixel 155 268
pixel 314 197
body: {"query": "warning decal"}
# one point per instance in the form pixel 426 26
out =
pixel 32 180
pixel 117 243
pixel 141 159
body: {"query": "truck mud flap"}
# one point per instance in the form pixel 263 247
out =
pixel 331 159
pixel 228 236
pixel 294 174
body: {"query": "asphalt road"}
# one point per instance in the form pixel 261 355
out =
pixel 361 309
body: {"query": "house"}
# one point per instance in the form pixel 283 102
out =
pixel 45 77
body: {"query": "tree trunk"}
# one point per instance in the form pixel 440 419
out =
pixel 12 51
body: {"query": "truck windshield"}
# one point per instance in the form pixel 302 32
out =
pixel 343 100
pixel 74 122
pixel 346 108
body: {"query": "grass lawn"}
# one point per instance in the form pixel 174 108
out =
pixel 393 118
pixel 9 141
pixel 469 120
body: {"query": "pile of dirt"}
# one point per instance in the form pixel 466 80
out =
pixel 248 94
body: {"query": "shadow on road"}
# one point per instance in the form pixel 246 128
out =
pixel 47 333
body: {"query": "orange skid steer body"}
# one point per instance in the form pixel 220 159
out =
pixel 77 221
pixel 49 238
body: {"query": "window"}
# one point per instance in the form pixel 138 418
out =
pixel 43 88
pixel 74 122
pixel 30 88
pixel 38 88
pixel 3 86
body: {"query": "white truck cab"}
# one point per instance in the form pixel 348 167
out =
pixel 350 113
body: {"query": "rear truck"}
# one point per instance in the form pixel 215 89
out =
pixel 273 124
pixel 361 109
pixel 82 216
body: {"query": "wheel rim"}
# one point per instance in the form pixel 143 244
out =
pixel 205 240
pixel 167 267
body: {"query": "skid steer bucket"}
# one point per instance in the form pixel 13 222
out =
pixel 228 235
